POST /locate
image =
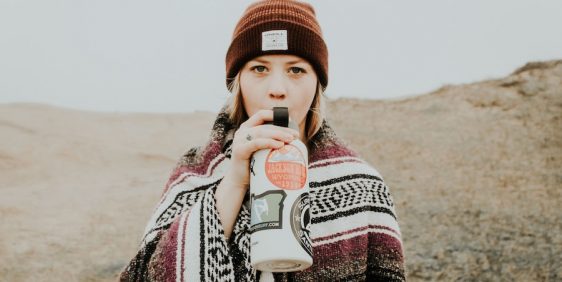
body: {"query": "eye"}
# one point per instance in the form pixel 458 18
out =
pixel 259 68
pixel 297 70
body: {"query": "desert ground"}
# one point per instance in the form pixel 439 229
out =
pixel 475 171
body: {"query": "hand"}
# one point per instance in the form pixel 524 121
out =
pixel 262 136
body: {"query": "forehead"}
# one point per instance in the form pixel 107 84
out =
pixel 279 58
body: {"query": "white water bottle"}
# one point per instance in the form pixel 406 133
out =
pixel 280 216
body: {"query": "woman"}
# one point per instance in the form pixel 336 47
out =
pixel 199 230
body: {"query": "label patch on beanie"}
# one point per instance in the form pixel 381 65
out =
pixel 274 40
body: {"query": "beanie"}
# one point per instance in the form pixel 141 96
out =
pixel 278 27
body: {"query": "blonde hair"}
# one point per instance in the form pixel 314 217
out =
pixel 314 117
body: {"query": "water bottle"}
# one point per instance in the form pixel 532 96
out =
pixel 280 217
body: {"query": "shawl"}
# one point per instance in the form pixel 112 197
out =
pixel 354 229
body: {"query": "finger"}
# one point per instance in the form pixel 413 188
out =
pixel 272 127
pixel 260 117
pixel 262 143
pixel 274 132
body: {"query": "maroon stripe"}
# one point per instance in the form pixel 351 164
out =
pixel 185 176
pixel 340 259
pixel 334 162
pixel 211 151
pixel 329 151
pixel 355 230
pixel 164 261
pixel 183 246
pixel 211 173
pixel 194 173
pixel 353 256
pixel 388 247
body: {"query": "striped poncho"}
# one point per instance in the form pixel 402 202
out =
pixel 354 231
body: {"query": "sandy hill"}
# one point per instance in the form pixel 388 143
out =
pixel 475 171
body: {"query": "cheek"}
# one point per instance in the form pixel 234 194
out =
pixel 306 98
pixel 310 86
pixel 248 96
pixel 249 88
pixel 308 94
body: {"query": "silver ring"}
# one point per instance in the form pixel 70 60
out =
pixel 249 137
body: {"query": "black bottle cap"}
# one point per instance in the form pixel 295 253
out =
pixel 281 116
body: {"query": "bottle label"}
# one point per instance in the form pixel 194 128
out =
pixel 300 222
pixel 286 168
pixel 267 210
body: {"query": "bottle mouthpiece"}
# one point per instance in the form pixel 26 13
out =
pixel 281 116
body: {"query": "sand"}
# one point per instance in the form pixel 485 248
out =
pixel 475 171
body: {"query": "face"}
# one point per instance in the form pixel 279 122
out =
pixel 279 81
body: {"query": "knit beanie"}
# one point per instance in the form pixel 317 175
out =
pixel 278 27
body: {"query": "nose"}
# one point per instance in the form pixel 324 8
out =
pixel 277 87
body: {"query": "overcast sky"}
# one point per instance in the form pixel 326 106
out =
pixel 168 56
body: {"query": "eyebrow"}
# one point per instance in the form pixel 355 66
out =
pixel 287 63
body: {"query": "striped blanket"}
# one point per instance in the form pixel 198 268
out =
pixel 354 231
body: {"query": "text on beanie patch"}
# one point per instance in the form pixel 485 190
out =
pixel 274 40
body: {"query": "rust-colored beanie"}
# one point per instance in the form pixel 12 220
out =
pixel 278 27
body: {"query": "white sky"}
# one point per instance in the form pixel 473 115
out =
pixel 168 56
